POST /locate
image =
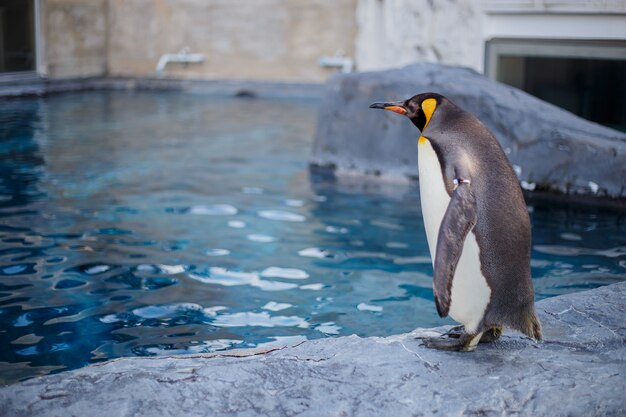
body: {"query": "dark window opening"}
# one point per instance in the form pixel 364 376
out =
pixel 17 35
pixel 594 89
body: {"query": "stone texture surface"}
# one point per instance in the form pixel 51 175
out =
pixel 578 371
pixel 262 39
pixel 283 39
pixel 75 38
pixel 400 32
pixel 552 148
pixel 451 32
pixel 279 40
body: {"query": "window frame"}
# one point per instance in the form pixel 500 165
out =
pixel 550 48
pixel 39 72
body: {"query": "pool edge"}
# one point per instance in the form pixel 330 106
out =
pixel 232 88
pixel 578 369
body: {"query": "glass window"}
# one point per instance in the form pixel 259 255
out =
pixel 17 36
pixel 587 79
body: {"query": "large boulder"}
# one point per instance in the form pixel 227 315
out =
pixel 550 148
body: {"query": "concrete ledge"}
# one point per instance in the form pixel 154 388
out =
pixel 240 88
pixel 578 371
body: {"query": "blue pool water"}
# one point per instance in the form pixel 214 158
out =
pixel 154 223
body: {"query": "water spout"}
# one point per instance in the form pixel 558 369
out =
pixel 339 61
pixel 183 56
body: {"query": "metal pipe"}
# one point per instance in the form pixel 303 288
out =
pixel 182 57
pixel 339 61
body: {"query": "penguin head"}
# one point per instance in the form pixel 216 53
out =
pixel 419 108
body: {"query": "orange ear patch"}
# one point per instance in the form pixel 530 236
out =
pixel 428 106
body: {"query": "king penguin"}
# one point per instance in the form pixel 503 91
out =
pixel 476 222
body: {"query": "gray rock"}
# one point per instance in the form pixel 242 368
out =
pixel 554 149
pixel 578 371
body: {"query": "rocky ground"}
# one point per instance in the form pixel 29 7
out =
pixel 579 370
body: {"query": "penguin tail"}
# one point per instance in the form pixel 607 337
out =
pixel 532 326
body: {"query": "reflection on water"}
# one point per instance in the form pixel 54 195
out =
pixel 161 223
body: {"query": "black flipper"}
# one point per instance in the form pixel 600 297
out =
pixel 459 219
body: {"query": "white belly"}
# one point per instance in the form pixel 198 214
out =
pixel 470 293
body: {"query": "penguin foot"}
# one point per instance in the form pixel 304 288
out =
pixel 456 332
pixel 491 335
pixel 458 343
pixel 488 336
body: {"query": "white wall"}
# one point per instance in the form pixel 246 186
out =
pixel 241 39
pixel 245 39
pixel 74 35
pixel 393 33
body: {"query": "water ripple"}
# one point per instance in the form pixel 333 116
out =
pixel 577 251
pixel 69 283
pixel 212 311
pixel 217 252
pixel 213 210
pixel 159 311
pixel 294 203
pixel 252 190
pixel 18 269
pixel 571 237
pixel 396 245
pixel 222 276
pixel 278 341
pixel 315 253
pixel 285 216
pixel 386 225
pixel 28 339
pixel 113 231
pixel 95 269
pixel 263 319
pixel 182 312
pixel 171 269
pixel 236 224
pixel 337 230
pixel 368 307
pixel 260 238
pixel 206 346
pixel 23 320
pixel 313 287
pixel 328 328
pixel 289 273
pixel 274 306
